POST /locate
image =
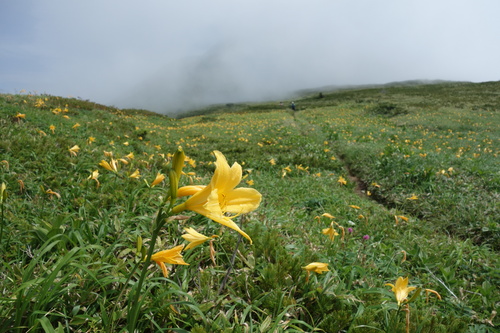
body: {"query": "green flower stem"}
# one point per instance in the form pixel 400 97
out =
pixel 2 222
pixel 135 306
pixel 233 257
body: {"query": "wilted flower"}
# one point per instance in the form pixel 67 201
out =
pixel 49 191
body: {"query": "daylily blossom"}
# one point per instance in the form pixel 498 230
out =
pixel 330 232
pixel 317 267
pixel 74 150
pixel 220 196
pixel 171 256
pixel 135 174
pixel 109 166
pixel 401 289
pixel 159 178
pixel 94 175
pixel 194 238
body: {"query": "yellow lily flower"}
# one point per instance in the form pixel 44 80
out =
pixel 342 181
pixel 159 178
pixel 109 166
pixel 189 190
pixel 170 256
pixel 135 174
pixel 220 196
pixel 94 175
pixel 330 232
pixel 194 238
pixel 317 267
pixel 74 150
pixel 401 289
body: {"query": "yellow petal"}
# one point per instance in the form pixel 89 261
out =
pixel 241 200
pixel 189 190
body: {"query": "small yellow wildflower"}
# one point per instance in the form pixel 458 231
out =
pixel 94 175
pixel 342 181
pixel 159 178
pixel 401 289
pixel 109 166
pixel 74 150
pixel 317 267
pixel 171 256
pixel 330 232
pixel 194 238
pixel 135 174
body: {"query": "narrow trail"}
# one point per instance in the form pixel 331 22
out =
pixel 305 126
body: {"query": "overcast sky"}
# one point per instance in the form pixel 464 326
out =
pixel 168 55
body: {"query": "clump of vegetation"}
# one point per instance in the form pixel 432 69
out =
pixel 387 109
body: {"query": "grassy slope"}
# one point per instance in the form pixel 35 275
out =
pixel 404 139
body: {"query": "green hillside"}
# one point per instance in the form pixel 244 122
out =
pixel 359 187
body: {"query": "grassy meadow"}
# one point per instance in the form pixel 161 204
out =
pixel 367 185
